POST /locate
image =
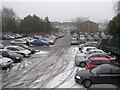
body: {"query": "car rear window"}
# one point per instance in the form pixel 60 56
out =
pixel 95 62
pixel 105 62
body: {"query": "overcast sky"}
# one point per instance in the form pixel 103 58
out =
pixel 64 11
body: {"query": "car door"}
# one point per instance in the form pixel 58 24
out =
pixel 115 76
pixel 110 75
pixel 104 76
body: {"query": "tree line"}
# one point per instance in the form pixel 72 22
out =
pixel 113 26
pixel 12 23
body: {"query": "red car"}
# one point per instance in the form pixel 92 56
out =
pixel 117 63
pixel 14 56
pixel 96 61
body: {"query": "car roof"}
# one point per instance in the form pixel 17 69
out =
pixel 96 50
pixel 108 66
pixel 97 54
pixel 88 47
pixel 99 59
pixel 12 46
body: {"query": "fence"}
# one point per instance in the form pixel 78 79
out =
pixel 112 45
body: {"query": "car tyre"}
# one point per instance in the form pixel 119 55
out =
pixel 82 64
pixel 87 83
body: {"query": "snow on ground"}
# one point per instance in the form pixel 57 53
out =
pixel 66 78
pixel 41 52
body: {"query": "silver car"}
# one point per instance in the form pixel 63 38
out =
pixel 5 62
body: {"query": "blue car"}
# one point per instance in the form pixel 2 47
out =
pixel 39 43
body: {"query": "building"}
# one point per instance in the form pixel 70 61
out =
pixel 89 26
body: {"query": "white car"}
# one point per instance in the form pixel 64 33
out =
pixel 90 43
pixel 28 39
pixel 18 41
pixel 95 51
pixel 19 50
pixel 74 41
pixel 86 49
pixel 5 62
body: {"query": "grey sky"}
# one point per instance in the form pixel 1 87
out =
pixel 64 11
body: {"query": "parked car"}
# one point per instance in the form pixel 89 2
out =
pixel 82 39
pixel 18 41
pixel 8 37
pixel 106 55
pixel 5 62
pixel 19 50
pixel 96 37
pixel 74 41
pixel 86 49
pixel 90 38
pixel 14 56
pixel 40 43
pixel 50 41
pixel 82 59
pixel 28 39
pixel 96 61
pixel 2 46
pixel 18 36
pixel 90 44
pixel 28 48
pixel 103 74
pixel 95 51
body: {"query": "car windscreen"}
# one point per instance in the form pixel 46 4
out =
pixel 95 62
pixel 20 48
pixel 96 70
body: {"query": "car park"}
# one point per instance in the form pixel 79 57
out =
pixel 19 50
pixel 14 56
pixel 103 74
pixel 5 62
pixel 96 61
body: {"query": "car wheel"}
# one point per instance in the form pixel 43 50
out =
pixel 23 54
pixel 47 45
pixel 87 83
pixel 82 64
pixel 12 44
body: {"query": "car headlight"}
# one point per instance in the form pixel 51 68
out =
pixel 78 77
pixel 4 63
pixel 17 57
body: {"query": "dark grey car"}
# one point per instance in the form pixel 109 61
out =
pixel 103 74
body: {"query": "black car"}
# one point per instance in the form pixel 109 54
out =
pixel 103 74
